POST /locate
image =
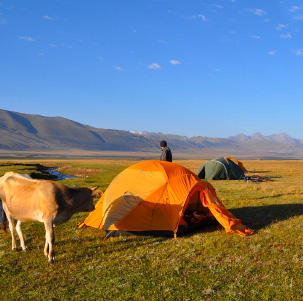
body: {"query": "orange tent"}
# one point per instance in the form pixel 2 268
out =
pixel 159 195
pixel 240 164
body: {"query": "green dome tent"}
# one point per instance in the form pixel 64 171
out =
pixel 220 169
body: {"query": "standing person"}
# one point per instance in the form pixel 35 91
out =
pixel 166 152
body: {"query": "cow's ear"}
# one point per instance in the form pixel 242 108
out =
pixel 97 193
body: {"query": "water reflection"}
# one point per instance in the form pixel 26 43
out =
pixel 55 172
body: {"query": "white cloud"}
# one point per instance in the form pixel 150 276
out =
pixel 272 52
pixel 214 5
pixel 154 66
pixel 257 11
pixel 26 38
pixel 299 52
pixel 47 17
pixel 255 37
pixel 295 8
pixel 119 68
pixel 226 40
pixel 299 17
pixel 3 21
pixel 286 36
pixel 52 45
pixel 202 17
pixel 218 5
pixel 281 26
pixel 173 62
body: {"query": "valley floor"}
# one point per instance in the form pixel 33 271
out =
pixel 207 264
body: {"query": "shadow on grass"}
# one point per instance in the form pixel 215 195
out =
pixel 255 218
pixel 262 216
pixel 257 171
pixel 35 171
pixel 120 243
pixel 290 194
pixel 140 238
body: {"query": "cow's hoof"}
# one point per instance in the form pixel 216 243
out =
pixel 26 249
pixel 51 261
pixel 14 249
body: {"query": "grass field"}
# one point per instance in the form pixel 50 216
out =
pixel 207 264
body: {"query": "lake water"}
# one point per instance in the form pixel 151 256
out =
pixel 55 172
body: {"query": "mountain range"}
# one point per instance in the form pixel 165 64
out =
pixel 21 132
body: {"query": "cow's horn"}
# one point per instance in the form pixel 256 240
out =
pixel 75 185
pixel 95 188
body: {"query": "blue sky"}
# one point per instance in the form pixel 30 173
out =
pixel 186 67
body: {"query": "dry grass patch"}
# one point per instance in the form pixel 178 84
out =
pixel 204 265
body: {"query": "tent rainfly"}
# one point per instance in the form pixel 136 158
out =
pixel 240 164
pixel 225 168
pixel 159 196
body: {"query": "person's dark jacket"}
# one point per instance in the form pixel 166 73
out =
pixel 166 154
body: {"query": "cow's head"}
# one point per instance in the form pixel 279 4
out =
pixel 90 195
pixel 97 193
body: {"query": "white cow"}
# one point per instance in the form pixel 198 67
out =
pixel 49 202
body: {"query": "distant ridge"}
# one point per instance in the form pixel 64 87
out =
pixel 35 133
pixel 280 138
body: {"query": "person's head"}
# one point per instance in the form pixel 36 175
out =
pixel 163 144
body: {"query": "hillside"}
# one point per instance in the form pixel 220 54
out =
pixel 34 133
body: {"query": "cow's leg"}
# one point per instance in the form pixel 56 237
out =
pixel 46 247
pixel 11 224
pixel 49 241
pixel 21 237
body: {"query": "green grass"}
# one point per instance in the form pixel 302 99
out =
pixel 207 264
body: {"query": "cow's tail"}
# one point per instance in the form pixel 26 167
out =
pixel 4 223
